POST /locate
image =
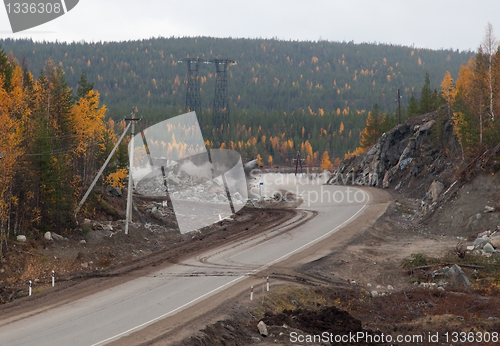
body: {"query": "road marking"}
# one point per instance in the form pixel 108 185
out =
pixel 253 272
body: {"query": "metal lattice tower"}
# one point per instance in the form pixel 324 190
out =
pixel 221 104
pixel 193 101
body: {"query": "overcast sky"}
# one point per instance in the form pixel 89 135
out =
pixel 456 24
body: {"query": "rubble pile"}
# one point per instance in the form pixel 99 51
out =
pixel 182 186
pixel 487 243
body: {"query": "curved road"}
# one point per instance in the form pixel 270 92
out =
pixel 108 315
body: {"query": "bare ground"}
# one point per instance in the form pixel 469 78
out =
pixel 337 275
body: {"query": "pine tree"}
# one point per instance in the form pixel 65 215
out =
pixel 6 71
pixel 84 87
pixel 426 99
pixel 413 108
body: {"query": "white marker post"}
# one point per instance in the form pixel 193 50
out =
pixel 251 293
pixel 260 191
pixel 30 289
pixel 268 284
pixel 54 276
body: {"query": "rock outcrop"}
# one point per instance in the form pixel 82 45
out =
pixel 406 151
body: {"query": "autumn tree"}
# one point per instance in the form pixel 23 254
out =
pixel 325 161
pixel 259 160
pixel 448 90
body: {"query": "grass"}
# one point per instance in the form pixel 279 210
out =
pixel 293 298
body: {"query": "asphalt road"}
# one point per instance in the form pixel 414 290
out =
pixel 111 314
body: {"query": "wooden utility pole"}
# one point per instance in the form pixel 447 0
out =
pixel 128 216
pixel 399 107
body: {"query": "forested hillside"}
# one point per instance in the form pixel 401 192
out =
pixel 53 140
pixel 284 96
pixel 270 75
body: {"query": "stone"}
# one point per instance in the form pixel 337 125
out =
pixel 83 241
pixel 107 227
pixel 458 276
pixel 114 191
pixel 58 237
pixel 237 196
pixel 216 189
pixel 495 241
pixel 374 293
pixel 172 180
pixel 470 247
pixel 435 189
pixel 389 287
pixel 488 209
pixel 488 248
pixel 427 126
pixel 479 241
pixel 47 236
pixel 21 238
pixel 254 339
pixel 84 265
pixel 262 328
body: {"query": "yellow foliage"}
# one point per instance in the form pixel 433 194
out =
pixel 325 161
pixel 356 152
pixel 259 160
pixel 270 160
pixel 447 88
pixel 117 179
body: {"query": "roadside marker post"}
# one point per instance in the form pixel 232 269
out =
pixel 30 289
pixel 251 293
pixel 53 278
pixel 260 190
pixel 268 284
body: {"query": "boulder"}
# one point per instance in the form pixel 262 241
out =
pixel 458 277
pixel 172 180
pixel 488 209
pixel 435 190
pixel 21 238
pixel 427 126
pixel 47 236
pixel 262 328
pixel 116 192
pixel 495 241
pixel 488 248
pixel 58 237
pixel 479 241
